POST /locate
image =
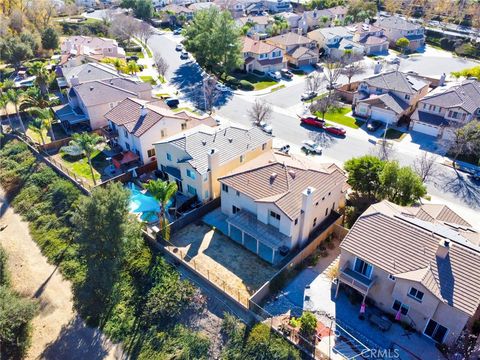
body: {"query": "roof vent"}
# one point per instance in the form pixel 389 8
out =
pixel 230 140
pixel 143 111
pixel 443 247
pixel 91 88
pixel 292 173
pixel 204 142
pixel 273 176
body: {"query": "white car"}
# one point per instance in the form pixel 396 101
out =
pixel 393 60
pixel 265 127
pixel 179 47
pixel 275 75
pixel 221 87
pixel 310 146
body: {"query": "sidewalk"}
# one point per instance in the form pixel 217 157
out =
pixel 297 79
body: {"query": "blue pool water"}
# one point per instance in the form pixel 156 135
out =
pixel 143 204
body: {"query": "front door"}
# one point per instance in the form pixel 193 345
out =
pixel 179 185
pixel 436 331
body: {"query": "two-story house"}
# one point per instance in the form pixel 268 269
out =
pixel 95 48
pixel 261 56
pixel 91 100
pixel 299 50
pixel 420 264
pixel 136 124
pixel 236 7
pixel 335 41
pixel 275 202
pixel 444 110
pixel 196 158
pixel 258 26
pixel 389 96
pixel 396 27
pixel 276 6
pixel 371 37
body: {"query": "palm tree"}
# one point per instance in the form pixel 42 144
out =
pixel 43 76
pixel 84 144
pixel 6 85
pixel 4 101
pixel 162 191
pixel 45 115
pixel 132 67
pixel 33 98
pixel 119 64
pixel 16 98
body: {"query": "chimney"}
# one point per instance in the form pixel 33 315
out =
pixel 377 68
pixel 307 215
pixel 443 248
pixel 441 82
pixel 143 111
pixel 213 167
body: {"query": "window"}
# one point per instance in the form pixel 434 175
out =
pixel 363 268
pixel 314 222
pixel 263 56
pixel 264 146
pixel 296 221
pixel 241 158
pixel 225 188
pixel 184 126
pixel 169 157
pixel 235 209
pixel 238 193
pixel 190 174
pixel 397 305
pixel 415 294
pixel 391 277
pixel 191 190
pixel 326 211
pixel 407 97
pixel 435 331
pixel 274 215
pixel 151 152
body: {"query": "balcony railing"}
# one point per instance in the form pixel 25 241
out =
pixel 355 280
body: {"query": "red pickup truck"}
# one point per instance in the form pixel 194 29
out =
pixel 313 121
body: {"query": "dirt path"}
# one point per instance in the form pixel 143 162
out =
pixel 58 332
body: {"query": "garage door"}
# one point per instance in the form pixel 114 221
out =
pixel 250 243
pixel 383 115
pixel 235 234
pixel 425 128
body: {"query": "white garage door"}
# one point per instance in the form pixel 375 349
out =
pixel 425 128
pixel 383 115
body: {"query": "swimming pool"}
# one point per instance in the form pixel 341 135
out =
pixel 144 204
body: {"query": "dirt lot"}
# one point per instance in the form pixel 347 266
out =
pixel 58 332
pixel 226 263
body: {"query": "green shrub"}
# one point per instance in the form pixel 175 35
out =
pixel 246 85
pixel 133 49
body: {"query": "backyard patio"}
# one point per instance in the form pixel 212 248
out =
pixel 225 263
pixel 313 290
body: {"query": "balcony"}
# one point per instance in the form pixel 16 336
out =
pixel 355 280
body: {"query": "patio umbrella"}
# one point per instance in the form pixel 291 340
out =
pixel 362 308
pixel 398 316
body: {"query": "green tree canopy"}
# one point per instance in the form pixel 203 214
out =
pixel 143 9
pixel 214 39
pixel 362 10
pixel 363 174
pixel 403 43
pixel 474 71
pixel 308 324
pixel 262 344
pixel 49 39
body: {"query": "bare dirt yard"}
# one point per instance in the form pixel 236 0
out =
pixel 58 332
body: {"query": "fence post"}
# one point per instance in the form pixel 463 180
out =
pixel 208 275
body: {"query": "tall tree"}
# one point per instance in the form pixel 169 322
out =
pixel 84 144
pixel 50 39
pixel 162 191
pixel 403 44
pixel 143 9
pixel 364 174
pixel 132 67
pixel 325 104
pixel 101 222
pixel 4 101
pixel 43 76
pixel 16 98
pixel 466 139
pixel 261 111
pixel 45 118
pixel 162 66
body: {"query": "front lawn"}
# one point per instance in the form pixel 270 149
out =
pixel 264 84
pixel 393 134
pixel 79 165
pixel 138 54
pixel 339 117
pixel 258 82
pixel 148 79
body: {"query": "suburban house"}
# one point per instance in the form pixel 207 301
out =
pixel 67 76
pixel 371 37
pixel 196 158
pixel 274 203
pixel 258 25
pixel 389 96
pixel 299 50
pixel 88 102
pixel 335 41
pixel 420 264
pixel 338 13
pixel 236 7
pixel 88 47
pixel 447 108
pixel 395 28
pixel 176 14
pixel 201 6
pixel 276 6
pixel 136 124
pixel 260 56
pixel 86 3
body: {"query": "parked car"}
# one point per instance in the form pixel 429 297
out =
pixel 177 31
pixel 221 87
pixel 310 146
pixel 335 130
pixel 172 102
pixel 184 55
pixel 333 86
pixel 286 73
pixel 275 75
pixel 265 127
pixel 393 60
pixel 179 47
pixel 90 10
pixel 285 149
pixel 374 125
pixel 132 58
pixel 313 121
pixel 308 95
